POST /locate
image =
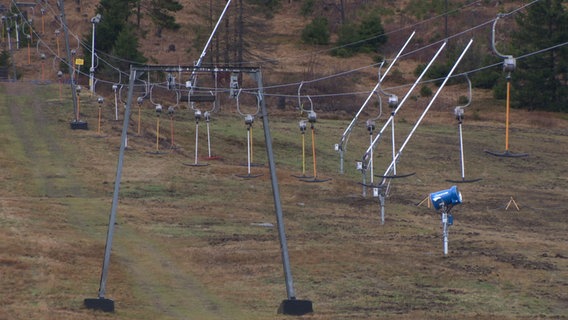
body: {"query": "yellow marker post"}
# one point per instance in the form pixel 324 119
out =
pixel 57 41
pixel 302 126
pixel 314 150
pixel 158 134
pixel 303 153
pixel 29 52
pixel 78 115
pixel 507 113
pixel 139 118
pixel 251 148
pixel 100 114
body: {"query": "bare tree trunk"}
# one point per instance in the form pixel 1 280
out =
pixel 240 30
pixel 138 13
pixel 235 35
pixel 217 42
pixel 227 41
pixel 342 11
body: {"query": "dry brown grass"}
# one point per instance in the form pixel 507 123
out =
pixel 188 243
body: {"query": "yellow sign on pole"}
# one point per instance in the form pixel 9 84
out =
pixel 79 62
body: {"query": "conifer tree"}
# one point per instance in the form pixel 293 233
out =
pixel 160 12
pixel 116 33
pixel 541 80
pixel 126 50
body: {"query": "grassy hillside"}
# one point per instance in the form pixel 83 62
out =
pixel 193 242
pixel 200 242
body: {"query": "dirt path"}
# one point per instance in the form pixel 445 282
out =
pixel 167 288
pixel 44 167
pixel 42 153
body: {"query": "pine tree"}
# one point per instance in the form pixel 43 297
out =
pixel 126 48
pixel 115 15
pixel 115 35
pixel 541 80
pixel 160 11
pixel 367 36
pixel 372 32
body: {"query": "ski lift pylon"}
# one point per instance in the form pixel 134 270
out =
pixel 197 115
pixel 249 120
pixel 459 114
pixel 312 119
pixel 157 151
pixel 509 65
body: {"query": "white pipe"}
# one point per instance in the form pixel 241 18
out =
pixel 461 152
pixel 196 140
pixel 445 231
pixel 427 108
pixel 193 79
pixel 377 137
pixel 350 126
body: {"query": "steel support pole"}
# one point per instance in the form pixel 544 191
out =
pixel 112 217
pixel 462 160
pixel 445 230
pixel 507 113
pixel 291 305
pixel 276 192
pixel 101 303
pixel 92 70
pixel 69 62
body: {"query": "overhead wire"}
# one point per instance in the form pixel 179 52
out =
pixel 339 74
pixel 410 27
pixel 87 48
pixel 459 34
pixel 37 36
pixel 80 43
pixel 424 81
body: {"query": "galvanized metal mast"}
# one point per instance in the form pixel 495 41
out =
pixel 69 59
pixel 291 305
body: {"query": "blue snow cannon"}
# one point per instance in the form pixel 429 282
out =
pixel 447 198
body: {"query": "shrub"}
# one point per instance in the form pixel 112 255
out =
pixel 346 40
pixel 485 79
pixel 342 52
pixel 425 91
pixel 363 38
pixel 463 100
pixel 307 8
pixel 316 32
pixel 5 59
pixel 500 90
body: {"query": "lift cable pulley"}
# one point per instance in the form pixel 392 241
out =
pixel 459 113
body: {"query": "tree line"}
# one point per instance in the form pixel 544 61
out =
pixel 540 81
